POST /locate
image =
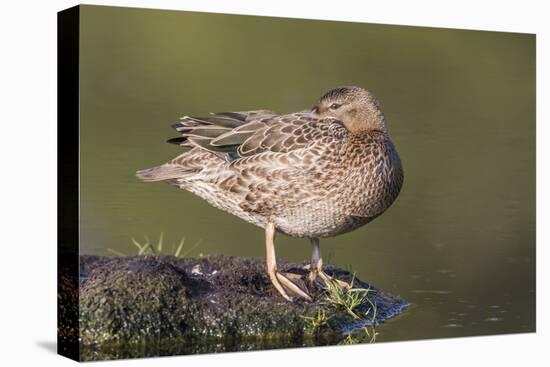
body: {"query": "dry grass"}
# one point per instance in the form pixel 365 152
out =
pixel 149 248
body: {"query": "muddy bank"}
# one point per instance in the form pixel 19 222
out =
pixel 209 304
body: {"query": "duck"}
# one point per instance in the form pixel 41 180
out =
pixel 313 174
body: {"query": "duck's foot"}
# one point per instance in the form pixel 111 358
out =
pixel 286 280
pixel 284 285
pixel 316 274
pixel 318 277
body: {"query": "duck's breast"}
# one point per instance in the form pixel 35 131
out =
pixel 349 186
pixel 375 178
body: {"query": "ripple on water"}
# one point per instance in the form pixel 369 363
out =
pixel 452 325
pixel 431 291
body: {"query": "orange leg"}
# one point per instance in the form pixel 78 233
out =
pixel 279 281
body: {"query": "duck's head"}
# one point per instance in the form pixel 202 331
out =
pixel 355 107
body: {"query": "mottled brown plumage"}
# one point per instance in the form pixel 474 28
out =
pixel 311 174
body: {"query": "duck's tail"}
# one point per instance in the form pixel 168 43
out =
pixel 164 172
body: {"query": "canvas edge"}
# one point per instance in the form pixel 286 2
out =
pixel 68 44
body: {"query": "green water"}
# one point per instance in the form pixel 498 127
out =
pixel 459 242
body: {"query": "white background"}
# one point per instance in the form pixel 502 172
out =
pixel 28 182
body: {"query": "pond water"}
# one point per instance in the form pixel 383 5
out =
pixel 459 242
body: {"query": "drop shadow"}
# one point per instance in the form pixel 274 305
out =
pixel 48 345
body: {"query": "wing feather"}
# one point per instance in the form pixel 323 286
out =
pixel 244 134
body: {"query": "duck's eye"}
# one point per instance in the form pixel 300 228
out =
pixel 334 106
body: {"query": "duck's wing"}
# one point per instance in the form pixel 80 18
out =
pixel 260 160
pixel 244 134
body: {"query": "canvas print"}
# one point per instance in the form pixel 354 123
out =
pixel 231 183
